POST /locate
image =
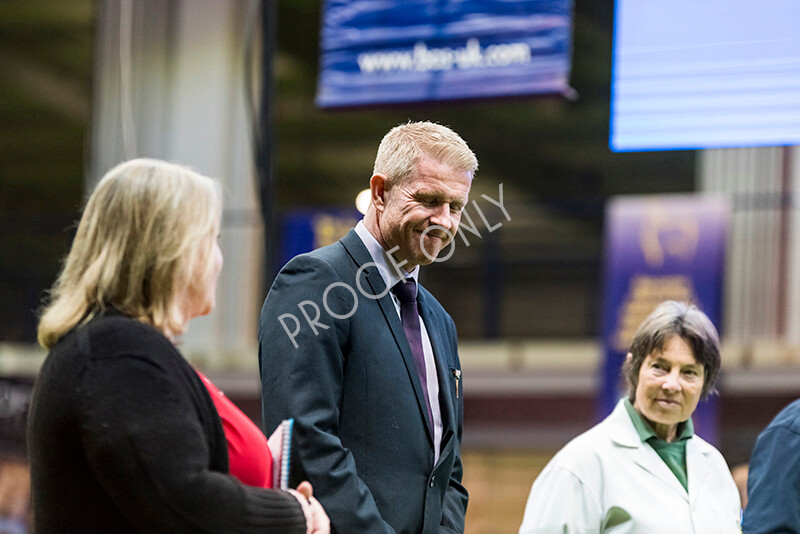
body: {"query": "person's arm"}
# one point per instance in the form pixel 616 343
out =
pixel 560 502
pixel 145 443
pixel 773 484
pixel 306 382
pixel 454 508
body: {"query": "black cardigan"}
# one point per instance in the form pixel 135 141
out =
pixel 123 437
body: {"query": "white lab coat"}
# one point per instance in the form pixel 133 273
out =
pixel 606 480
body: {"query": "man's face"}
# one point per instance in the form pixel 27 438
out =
pixel 434 194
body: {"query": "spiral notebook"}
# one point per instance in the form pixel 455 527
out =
pixel 280 446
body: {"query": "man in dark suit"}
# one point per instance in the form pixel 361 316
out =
pixel 773 482
pixel 365 360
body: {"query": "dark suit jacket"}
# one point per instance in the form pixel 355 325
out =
pixel 361 434
pixel 773 482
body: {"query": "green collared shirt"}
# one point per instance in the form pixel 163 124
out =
pixel 673 454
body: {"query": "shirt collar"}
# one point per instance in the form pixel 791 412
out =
pixel 381 258
pixel 646 432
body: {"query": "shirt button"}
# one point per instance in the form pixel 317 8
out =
pixel 433 479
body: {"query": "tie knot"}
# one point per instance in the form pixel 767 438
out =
pixel 406 290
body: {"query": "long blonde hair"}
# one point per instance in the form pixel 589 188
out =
pixel 144 242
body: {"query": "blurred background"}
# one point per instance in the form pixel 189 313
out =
pixel 232 89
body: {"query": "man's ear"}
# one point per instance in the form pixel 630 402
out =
pixel 378 189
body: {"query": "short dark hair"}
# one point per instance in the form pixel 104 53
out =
pixel 668 320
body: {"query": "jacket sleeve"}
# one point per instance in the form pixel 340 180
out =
pixel 454 508
pixel 302 352
pixel 773 483
pixel 144 441
pixel 560 502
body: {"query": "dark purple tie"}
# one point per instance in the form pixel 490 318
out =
pixel 406 292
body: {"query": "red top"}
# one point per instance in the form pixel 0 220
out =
pixel 248 452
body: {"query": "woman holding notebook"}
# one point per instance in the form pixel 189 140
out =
pixel 123 433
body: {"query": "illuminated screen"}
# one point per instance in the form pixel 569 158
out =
pixel 705 74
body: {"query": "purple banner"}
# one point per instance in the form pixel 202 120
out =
pixel 660 248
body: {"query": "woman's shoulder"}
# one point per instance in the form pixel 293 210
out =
pixel 115 331
pixel 113 345
pixel 110 339
pixel 583 451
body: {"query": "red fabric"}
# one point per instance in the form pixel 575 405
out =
pixel 248 453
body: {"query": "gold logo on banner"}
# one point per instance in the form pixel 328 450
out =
pixel 662 235
pixel 644 294
pixel 668 234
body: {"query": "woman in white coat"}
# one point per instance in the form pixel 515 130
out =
pixel 642 470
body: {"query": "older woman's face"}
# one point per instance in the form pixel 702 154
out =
pixel 669 388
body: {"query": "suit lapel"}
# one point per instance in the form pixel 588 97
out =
pixel 355 247
pixel 442 369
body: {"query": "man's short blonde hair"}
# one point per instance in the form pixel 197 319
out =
pixel 404 144
pixel 144 242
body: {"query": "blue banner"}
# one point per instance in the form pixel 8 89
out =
pixel 396 51
pixel 306 229
pixel 660 248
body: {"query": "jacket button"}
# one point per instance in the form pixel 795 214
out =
pixel 433 479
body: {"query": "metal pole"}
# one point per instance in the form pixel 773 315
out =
pixel 265 150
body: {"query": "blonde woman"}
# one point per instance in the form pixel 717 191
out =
pixel 123 435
